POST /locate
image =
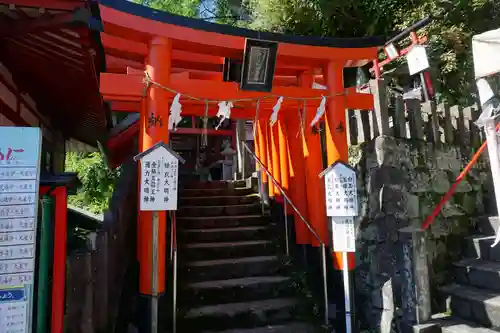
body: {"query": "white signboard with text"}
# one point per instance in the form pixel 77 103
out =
pixel 417 59
pixel 20 150
pixel 344 234
pixel 159 179
pixel 341 205
pixel 341 191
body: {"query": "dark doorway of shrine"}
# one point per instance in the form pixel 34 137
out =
pixel 204 145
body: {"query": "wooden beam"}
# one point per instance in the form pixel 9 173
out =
pixel 131 87
pixel 31 51
pixel 116 45
pixel 12 115
pixel 22 27
pixel 47 4
pixel 77 60
pixel 114 64
pixel 58 43
pixel 125 106
pixel 137 51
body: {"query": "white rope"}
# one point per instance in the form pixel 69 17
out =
pixel 148 82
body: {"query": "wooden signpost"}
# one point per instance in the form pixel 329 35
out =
pixel 19 185
pixel 159 187
pixel 341 208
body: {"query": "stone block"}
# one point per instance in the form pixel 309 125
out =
pixel 478 247
pixel 386 150
pixel 477 305
pixel 374 206
pixel 380 263
pixel 484 275
pixel 450 210
pixel 463 187
pixel 402 183
pixel 448 159
pixel 393 202
pixel 467 203
pixel 383 298
pixel 426 328
pixel 420 183
pixel 412 205
pixel 370 233
pixel 488 225
pixel 412 261
pixel 449 226
pixel 388 176
pixel 439 181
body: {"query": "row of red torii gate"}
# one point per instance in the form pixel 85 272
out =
pixel 154 57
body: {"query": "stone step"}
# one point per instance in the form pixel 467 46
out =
pixel 457 325
pixel 488 225
pixel 197 184
pixel 219 210
pixel 241 315
pixel 222 221
pixel 480 247
pixel 212 251
pixel 286 328
pixel 216 200
pixel 208 192
pixel 208 270
pixel 237 290
pixel 474 304
pixel 226 234
pixel 478 273
pixel 207 185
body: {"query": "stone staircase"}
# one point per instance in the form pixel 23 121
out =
pixel 474 298
pixel 232 275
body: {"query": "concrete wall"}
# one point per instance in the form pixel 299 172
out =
pixel 400 182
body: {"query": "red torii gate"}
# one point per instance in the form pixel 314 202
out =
pixel 187 55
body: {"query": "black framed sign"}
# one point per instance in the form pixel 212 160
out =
pixel 259 62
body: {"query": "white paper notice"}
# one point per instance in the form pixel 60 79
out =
pixel 344 236
pixel 341 191
pixel 417 59
pixel 13 310
pixel 19 182
pixel 159 180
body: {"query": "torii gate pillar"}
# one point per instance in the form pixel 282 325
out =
pixel 313 167
pixel 336 133
pixel 154 128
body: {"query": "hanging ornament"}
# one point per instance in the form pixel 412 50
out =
pixel 175 113
pixel 320 112
pixel 204 135
pixel 276 110
pixel 257 107
pixel 224 112
pixel 302 118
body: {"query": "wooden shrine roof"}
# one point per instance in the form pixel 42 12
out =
pixel 53 51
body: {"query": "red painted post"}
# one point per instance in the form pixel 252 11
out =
pixel 59 269
pixel 336 132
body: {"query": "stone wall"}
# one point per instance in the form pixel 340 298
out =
pixel 400 182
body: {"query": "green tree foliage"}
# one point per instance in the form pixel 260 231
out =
pixel 450 33
pixel 98 181
pixel 179 7
pixel 456 21
pixel 450 40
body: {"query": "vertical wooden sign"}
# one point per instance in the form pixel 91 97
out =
pixel 20 150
